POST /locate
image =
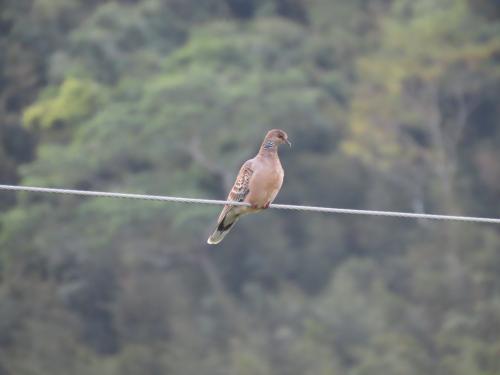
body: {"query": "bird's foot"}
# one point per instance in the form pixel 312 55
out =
pixel 258 207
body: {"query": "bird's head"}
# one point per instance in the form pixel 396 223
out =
pixel 278 136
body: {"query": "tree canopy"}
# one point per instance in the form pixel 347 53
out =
pixel 390 105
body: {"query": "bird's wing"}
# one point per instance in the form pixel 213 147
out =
pixel 230 214
pixel 240 188
pixel 241 185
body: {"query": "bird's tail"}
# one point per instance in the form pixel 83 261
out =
pixel 224 225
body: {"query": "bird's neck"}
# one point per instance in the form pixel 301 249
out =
pixel 268 148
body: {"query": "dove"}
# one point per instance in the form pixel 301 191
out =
pixel 257 183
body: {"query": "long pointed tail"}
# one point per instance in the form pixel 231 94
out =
pixel 224 226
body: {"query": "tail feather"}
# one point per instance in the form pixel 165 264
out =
pixel 224 226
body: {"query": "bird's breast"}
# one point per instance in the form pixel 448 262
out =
pixel 265 183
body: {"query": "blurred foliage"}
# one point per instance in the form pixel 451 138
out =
pixel 390 104
pixel 74 101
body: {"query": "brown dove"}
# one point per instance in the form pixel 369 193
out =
pixel 258 183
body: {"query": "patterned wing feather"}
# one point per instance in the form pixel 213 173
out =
pixel 240 188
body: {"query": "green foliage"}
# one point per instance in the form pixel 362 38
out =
pixel 73 102
pixel 389 105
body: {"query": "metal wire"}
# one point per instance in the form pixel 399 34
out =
pixel 164 198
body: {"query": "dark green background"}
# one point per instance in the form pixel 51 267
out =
pixel 390 105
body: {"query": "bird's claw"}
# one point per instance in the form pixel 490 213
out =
pixel 257 207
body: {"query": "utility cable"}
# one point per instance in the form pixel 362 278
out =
pixel 164 198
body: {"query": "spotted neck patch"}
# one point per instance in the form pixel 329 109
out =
pixel 268 145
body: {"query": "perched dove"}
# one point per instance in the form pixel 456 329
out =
pixel 258 183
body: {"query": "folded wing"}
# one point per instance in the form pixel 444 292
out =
pixel 230 214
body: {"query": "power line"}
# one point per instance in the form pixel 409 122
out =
pixel 164 198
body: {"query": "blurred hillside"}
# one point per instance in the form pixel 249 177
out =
pixel 390 105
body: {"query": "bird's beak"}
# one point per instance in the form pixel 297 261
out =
pixel 289 143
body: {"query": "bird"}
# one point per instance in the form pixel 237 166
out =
pixel 257 183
